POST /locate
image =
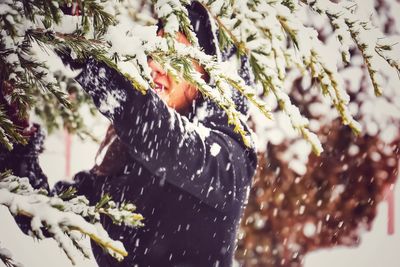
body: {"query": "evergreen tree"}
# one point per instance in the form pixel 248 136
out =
pixel 269 34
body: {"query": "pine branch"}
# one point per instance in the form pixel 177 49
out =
pixel 226 37
pixel 33 85
pixel 8 133
pixel 62 217
pixel 347 23
pixel 175 18
pixel 93 14
pixel 364 48
pixel 381 49
pixel 258 50
pixel 7 258
pixel 326 75
pixel 250 95
pixel 259 30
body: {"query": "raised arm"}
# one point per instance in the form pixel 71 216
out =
pixel 208 161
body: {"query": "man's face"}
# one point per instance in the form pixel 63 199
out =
pixel 176 94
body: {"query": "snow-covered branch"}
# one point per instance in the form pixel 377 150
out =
pixel 351 27
pixel 25 25
pixel 66 217
pixel 7 258
pixel 175 18
pixel 259 29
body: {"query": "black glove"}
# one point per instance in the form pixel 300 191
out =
pixel 66 58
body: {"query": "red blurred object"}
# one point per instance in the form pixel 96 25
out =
pixel 75 11
pixel 390 198
pixel 68 144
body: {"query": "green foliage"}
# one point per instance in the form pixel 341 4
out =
pixel 67 193
pixel 8 132
pixel 31 85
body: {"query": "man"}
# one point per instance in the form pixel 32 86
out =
pixel 190 181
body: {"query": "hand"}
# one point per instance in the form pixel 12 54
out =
pixel 68 60
pixel 71 9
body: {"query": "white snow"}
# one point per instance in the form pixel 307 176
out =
pixel 5 252
pixel 309 229
pixel 215 149
pixel 337 191
pixel 111 102
pixel 40 207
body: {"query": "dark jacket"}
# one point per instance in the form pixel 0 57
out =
pixel 192 198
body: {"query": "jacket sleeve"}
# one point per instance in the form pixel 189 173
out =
pixel 207 160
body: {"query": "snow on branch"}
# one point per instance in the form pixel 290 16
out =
pixel 256 32
pixel 66 218
pixel 311 51
pixel 259 30
pixel 351 27
pixel 175 18
pixel 7 258
pixel 27 23
pixel 144 43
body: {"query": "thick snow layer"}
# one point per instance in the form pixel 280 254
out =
pixel 111 102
